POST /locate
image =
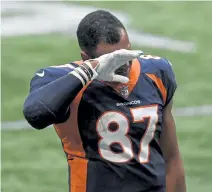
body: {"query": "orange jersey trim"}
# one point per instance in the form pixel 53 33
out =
pixel 135 72
pixel 78 174
pixel 72 145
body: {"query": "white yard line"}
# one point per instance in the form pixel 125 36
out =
pixel 178 112
pixel 44 18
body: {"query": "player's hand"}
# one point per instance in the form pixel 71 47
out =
pixel 104 67
pixel 108 63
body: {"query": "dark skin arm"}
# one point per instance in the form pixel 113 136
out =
pixel 175 175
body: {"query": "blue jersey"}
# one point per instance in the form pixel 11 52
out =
pixel 112 135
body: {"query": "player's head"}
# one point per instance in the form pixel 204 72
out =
pixel 99 33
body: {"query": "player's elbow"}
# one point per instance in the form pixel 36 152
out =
pixel 37 115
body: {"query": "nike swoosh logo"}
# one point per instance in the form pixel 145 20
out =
pixel 40 74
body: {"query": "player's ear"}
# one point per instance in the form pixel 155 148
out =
pixel 84 56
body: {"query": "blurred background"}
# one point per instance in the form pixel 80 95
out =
pixel 37 35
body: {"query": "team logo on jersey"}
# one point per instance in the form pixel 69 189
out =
pixel 40 74
pixel 124 91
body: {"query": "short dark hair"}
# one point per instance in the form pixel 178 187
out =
pixel 96 27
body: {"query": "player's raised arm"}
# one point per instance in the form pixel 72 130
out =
pixel 49 102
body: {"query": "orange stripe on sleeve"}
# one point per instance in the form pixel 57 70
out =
pixel 159 84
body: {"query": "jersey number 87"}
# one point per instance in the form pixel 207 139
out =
pixel 120 135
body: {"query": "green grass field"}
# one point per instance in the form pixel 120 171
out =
pixel 33 160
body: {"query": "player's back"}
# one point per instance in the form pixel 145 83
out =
pixel 112 135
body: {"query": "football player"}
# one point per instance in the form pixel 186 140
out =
pixel 112 112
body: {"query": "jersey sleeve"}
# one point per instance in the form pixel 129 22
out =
pixel 170 80
pixel 162 69
pixel 46 75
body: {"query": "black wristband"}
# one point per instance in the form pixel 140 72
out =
pixel 88 68
pixel 83 67
pixel 81 75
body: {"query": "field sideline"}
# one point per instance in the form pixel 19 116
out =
pixel 34 161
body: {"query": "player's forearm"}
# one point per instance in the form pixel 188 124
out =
pixel 48 104
pixel 175 176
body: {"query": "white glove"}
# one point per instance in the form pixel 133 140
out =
pixel 108 64
pixel 106 67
